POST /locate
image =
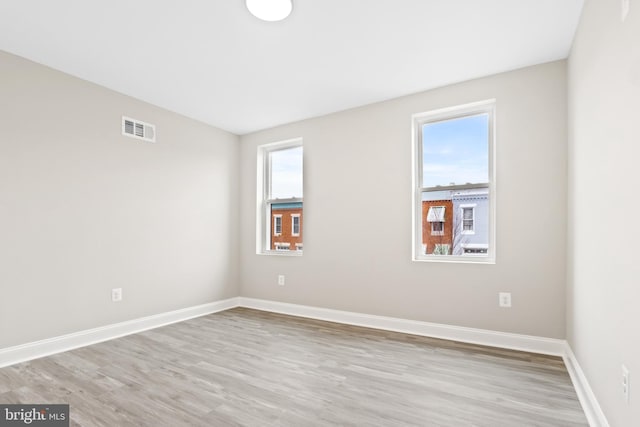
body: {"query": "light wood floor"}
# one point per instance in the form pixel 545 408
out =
pixel 249 368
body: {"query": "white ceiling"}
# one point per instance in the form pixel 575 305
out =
pixel 213 61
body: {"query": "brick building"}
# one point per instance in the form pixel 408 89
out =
pixel 286 226
pixel 437 227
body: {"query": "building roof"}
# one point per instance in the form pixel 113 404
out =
pixel 288 205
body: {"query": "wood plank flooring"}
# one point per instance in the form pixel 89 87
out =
pixel 244 367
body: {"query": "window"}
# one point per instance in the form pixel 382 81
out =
pixel 435 216
pixel 295 224
pixel 277 225
pixel 282 246
pixel 441 249
pixel 467 220
pixel 437 228
pixel 474 249
pixel 453 153
pixel 279 209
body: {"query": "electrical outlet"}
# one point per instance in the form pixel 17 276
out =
pixel 625 384
pixel 116 294
pixel 625 9
pixel 281 279
pixel 504 299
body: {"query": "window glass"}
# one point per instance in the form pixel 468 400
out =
pixel 277 224
pixel 467 219
pixel 453 193
pixel 295 225
pixel 281 182
pixel 456 151
pixel 286 173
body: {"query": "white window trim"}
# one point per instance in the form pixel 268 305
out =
pixel 275 218
pixel 263 204
pixel 293 222
pixel 437 233
pixel 473 219
pixel 285 245
pixel 417 121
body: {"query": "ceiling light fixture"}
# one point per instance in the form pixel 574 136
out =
pixel 270 10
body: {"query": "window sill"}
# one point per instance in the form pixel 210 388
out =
pixel 281 253
pixel 447 259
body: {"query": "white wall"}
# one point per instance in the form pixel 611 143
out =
pixel 603 318
pixel 84 209
pixel 357 248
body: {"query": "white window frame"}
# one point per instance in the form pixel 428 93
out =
pixel 293 225
pixel 277 218
pixel 282 246
pixel 263 200
pixel 441 209
pixel 450 113
pixel 437 232
pixel 473 218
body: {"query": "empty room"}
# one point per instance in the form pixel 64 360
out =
pixel 319 213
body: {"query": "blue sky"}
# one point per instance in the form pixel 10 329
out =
pixel 455 151
pixel 286 173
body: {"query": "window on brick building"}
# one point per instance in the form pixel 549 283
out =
pixel 435 217
pixel 437 228
pixel 280 205
pixel 453 152
pixel 295 224
pixel 282 246
pixel 277 225
pixel 441 249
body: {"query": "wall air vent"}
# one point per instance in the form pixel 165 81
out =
pixel 137 129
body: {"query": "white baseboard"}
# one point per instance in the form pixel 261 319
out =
pixel 588 400
pixel 46 347
pixel 541 345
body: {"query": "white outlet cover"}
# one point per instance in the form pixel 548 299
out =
pixel 625 383
pixel 116 294
pixel 504 299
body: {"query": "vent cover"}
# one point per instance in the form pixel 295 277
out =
pixel 137 129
